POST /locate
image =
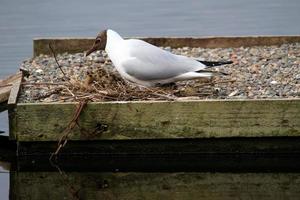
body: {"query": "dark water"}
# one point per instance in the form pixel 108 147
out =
pixel 21 21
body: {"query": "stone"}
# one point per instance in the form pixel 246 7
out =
pixel 39 71
pixel 233 93
pixel 168 48
pixel 273 82
pixel 99 60
pixel 257 72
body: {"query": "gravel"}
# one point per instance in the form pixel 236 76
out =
pixel 257 72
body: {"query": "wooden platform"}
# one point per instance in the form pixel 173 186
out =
pixel 158 120
pixel 181 149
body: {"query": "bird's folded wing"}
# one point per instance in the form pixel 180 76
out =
pixel 146 70
pixel 148 62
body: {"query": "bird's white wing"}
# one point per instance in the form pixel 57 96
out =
pixel 147 62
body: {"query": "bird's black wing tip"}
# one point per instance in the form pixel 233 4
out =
pixel 214 63
pixel 213 72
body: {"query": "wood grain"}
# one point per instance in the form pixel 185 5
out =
pixel 76 45
pixel 6 85
pixel 159 119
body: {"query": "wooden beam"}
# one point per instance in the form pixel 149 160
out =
pixel 12 101
pixel 6 85
pixel 15 89
pixel 149 186
pixel 159 119
pixel 76 45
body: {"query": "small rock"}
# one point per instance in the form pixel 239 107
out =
pixel 78 60
pixel 168 48
pixel 39 71
pixel 217 90
pixel 250 94
pixel 255 69
pixel 273 82
pixel 233 93
pixel 99 60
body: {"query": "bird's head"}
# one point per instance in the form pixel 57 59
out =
pixel 99 43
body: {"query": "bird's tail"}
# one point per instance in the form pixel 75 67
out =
pixel 214 63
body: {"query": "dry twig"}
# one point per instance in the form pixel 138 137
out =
pixel 44 83
pixel 54 55
pixel 64 138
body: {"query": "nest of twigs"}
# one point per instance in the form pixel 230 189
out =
pixel 103 84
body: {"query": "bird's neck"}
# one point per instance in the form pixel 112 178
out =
pixel 114 47
pixel 113 39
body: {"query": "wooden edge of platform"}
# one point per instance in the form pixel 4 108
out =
pixel 76 45
pixel 6 84
pixel 165 101
pixel 15 89
pixel 157 120
pixel 12 101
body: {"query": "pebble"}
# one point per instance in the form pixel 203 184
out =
pixel 167 48
pixel 99 60
pixel 233 93
pixel 273 82
pixel 39 71
pixel 257 72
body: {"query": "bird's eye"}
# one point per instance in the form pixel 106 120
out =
pixel 98 40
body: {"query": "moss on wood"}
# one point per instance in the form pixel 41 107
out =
pixel 164 119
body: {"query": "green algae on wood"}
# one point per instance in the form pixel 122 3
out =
pixel 158 119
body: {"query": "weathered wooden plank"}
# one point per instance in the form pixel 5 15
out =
pixel 15 89
pixel 12 101
pixel 144 186
pixel 4 92
pixel 160 119
pixel 6 85
pixel 75 45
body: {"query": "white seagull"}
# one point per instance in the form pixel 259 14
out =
pixel 145 64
